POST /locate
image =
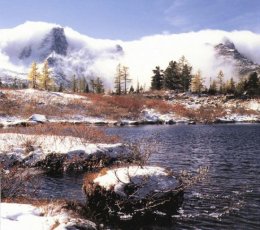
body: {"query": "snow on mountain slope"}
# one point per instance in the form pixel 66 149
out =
pixel 70 52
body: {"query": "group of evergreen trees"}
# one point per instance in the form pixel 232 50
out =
pixel 177 76
pixel 248 85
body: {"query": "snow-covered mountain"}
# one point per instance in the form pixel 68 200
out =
pixel 228 52
pixel 69 52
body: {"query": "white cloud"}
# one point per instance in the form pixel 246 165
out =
pixel 89 56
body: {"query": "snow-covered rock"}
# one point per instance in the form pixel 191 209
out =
pixel 47 217
pixel 232 118
pixel 133 191
pixel 38 118
pixel 148 179
pixel 32 150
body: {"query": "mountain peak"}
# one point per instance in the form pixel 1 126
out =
pixel 59 41
pixel 228 51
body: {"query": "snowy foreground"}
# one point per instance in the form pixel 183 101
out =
pixel 46 217
pixel 32 149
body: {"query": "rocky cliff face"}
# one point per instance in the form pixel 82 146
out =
pixel 228 52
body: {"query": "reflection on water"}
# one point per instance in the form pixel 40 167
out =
pixel 228 199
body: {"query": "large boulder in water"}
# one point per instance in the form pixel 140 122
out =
pixel 133 191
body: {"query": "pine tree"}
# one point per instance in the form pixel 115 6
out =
pixel 184 69
pixel 138 87
pixel 33 76
pixel 99 85
pixel 171 76
pixel 131 90
pixel 157 79
pixel 230 86
pixel 45 79
pixel 252 84
pixel 197 83
pixel 213 88
pixel 86 90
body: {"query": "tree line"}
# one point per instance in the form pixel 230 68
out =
pixel 178 76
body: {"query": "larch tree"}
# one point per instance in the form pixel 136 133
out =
pixel 33 76
pixel 45 78
pixel 118 79
pixel 125 78
pixel 220 78
pixel 197 83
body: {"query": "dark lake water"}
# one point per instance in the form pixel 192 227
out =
pixel 229 198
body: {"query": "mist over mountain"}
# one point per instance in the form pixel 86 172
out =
pixel 69 52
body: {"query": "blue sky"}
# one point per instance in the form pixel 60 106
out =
pixel 132 19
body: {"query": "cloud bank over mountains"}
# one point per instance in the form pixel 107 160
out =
pixel 70 52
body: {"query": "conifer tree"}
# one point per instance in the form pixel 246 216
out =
pixel 220 78
pixel 197 83
pixel 138 87
pixel 60 87
pixel 118 79
pixel 125 78
pixel 185 69
pixel 157 79
pixel 86 90
pixel 213 88
pixel 99 86
pixel 230 86
pixel 252 84
pixel 74 84
pixel 33 76
pixel 45 78
pixel 131 90
pixel 171 76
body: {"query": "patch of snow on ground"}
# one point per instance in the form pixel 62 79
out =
pixel 239 118
pixel 150 179
pixel 44 97
pixel 13 144
pixel 25 216
pixel 151 115
pixel 254 105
